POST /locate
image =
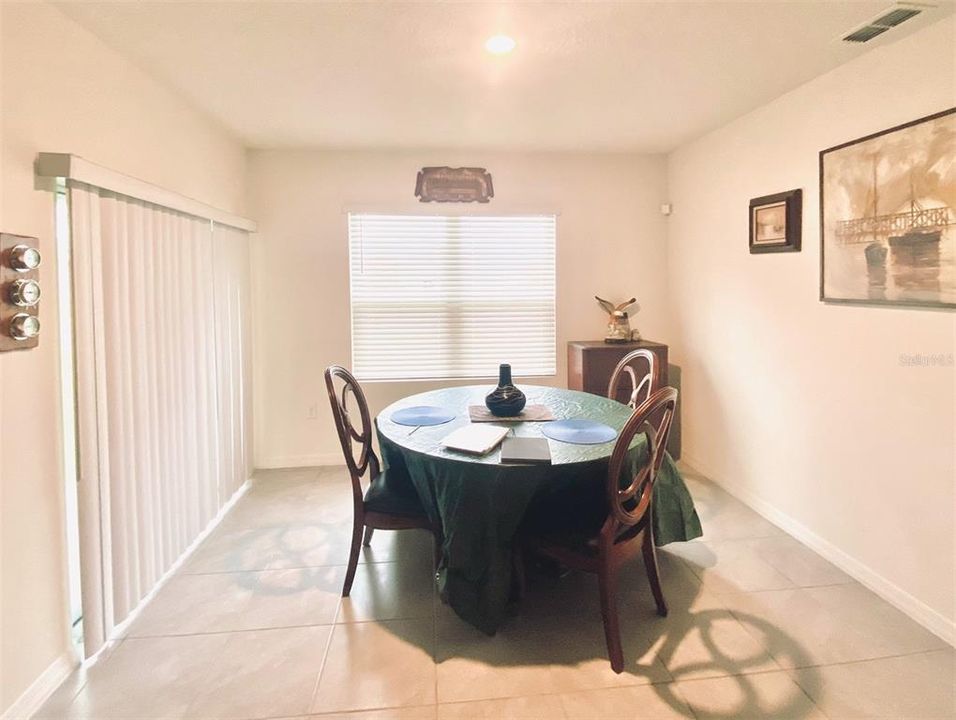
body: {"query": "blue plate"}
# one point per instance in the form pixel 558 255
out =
pixel 422 415
pixel 579 431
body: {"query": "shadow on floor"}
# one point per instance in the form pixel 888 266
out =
pixel 558 624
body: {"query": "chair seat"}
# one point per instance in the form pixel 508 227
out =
pixel 581 541
pixel 575 541
pixel 383 498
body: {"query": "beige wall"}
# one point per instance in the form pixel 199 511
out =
pixel 63 91
pixel 804 408
pixel 610 242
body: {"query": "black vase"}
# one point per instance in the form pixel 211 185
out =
pixel 505 400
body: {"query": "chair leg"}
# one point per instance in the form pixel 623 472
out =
pixel 357 526
pixel 653 576
pixel 368 536
pixel 607 585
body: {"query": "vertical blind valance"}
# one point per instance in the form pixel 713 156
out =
pixel 161 311
pixel 452 296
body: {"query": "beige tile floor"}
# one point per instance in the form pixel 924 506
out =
pixel 253 627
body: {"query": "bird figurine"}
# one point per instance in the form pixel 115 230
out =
pixel 619 324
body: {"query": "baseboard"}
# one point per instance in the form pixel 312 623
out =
pixel 293 461
pixel 42 688
pixel 916 609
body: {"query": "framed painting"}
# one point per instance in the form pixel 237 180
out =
pixel 775 222
pixel 887 216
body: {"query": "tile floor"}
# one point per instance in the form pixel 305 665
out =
pixel 253 627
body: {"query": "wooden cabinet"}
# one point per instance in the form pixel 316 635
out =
pixel 590 363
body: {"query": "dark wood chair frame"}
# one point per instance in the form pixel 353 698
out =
pixel 365 463
pixel 628 528
pixel 640 390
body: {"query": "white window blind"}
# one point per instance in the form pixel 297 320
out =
pixel 451 296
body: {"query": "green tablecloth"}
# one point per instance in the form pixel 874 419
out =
pixel 480 503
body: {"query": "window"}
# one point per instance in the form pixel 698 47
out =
pixel 451 297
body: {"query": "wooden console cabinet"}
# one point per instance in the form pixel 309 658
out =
pixel 590 363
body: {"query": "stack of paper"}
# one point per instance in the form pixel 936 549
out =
pixel 475 439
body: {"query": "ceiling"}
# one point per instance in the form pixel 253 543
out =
pixel 638 76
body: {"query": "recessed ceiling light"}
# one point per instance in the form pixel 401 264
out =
pixel 500 44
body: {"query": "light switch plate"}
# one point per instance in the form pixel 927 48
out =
pixel 7 277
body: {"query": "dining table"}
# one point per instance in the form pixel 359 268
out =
pixel 481 503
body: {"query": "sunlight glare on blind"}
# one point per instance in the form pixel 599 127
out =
pixel 452 297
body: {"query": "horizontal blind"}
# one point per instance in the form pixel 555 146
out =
pixel 451 296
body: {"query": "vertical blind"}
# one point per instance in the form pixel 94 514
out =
pixel 451 296
pixel 163 432
pixel 233 304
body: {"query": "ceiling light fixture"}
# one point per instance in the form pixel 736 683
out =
pixel 500 44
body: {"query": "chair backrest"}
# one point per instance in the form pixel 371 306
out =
pixel 629 504
pixel 632 365
pixel 356 440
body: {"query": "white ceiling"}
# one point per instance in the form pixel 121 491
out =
pixel 642 76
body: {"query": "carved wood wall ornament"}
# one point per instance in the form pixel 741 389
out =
pixel 448 184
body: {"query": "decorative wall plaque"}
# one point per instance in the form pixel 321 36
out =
pixel 447 184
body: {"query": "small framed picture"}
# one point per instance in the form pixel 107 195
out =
pixel 775 222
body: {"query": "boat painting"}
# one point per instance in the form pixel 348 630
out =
pixel 888 216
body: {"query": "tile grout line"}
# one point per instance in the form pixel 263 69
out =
pixel 722 593
pixel 334 623
pixel 737 613
pixel 183 573
pixel 233 631
pixel 325 657
pixel 582 690
pixel 866 660
pixel 357 713
pixel 795 585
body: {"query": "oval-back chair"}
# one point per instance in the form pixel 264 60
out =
pixel 383 505
pixel 628 527
pixel 640 363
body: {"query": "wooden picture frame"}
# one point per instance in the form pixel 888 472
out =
pixel 887 216
pixel 775 223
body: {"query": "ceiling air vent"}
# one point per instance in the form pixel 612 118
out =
pixel 867 32
pixel 899 13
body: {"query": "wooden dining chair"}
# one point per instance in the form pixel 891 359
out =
pixel 640 363
pixel 381 506
pixel 628 527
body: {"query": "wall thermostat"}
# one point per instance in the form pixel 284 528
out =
pixel 19 292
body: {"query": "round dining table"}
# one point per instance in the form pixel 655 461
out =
pixel 480 503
